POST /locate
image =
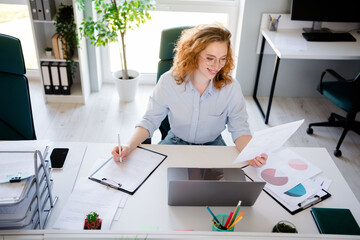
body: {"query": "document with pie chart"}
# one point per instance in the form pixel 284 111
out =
pixel 290 179
pixel 268 140
pixel 284 172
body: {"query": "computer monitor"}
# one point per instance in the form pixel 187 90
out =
pixel 320 11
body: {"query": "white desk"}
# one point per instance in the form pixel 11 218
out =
pixel 148 207
pixel 65 178
pixel 290 44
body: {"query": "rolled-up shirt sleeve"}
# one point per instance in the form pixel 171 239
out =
pixel 237 118
pixel 157 108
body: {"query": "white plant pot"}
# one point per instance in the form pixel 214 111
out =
pixel 126 88
pixel 48 53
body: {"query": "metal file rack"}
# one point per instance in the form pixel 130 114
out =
pixel 31 209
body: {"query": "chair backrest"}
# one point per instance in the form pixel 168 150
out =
pixel 16 120
pixel 169 38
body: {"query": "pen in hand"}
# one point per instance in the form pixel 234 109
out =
pixel 119 143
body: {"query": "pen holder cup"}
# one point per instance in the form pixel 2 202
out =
pixel 274 25
pixel 222 219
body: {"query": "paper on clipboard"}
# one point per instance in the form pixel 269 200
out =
pixel 316 191
pixel 130 174
pixel 268 140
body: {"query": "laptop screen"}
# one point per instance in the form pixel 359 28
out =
pixel 206 174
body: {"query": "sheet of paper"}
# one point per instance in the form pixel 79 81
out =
pixel 268 140
pixel 89 196
pixel 131 172
pixel 286 169
pixel 289 177
pixel 18 164
pixel 11 192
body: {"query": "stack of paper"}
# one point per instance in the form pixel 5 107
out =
pixel 19 207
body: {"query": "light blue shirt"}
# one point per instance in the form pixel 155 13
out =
pixel 194 118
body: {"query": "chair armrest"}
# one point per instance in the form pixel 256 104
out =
pixel 147 141
pixel 335 75
pixel 332 73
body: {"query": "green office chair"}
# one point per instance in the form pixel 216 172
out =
pixel 345 94
pixel 169 38
pixel 16 120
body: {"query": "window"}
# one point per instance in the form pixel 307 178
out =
pixel 15 21
pixel 143 43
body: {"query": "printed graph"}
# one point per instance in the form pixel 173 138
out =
pixel 297 191
pixel 298 164
pixel 274 177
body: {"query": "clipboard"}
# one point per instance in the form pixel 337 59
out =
pixel 295 208
pixel 130 174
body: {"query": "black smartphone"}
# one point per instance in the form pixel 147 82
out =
pixel 58 156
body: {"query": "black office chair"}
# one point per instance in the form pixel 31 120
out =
pixel 346 95
pixel 16 120
pixel 169 38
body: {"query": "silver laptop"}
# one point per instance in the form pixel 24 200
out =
pixel 211 187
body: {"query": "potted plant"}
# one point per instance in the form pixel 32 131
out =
pixel 116 17
pixel 284 227
pixel 66 28
pixel 92 221
pixel 48 51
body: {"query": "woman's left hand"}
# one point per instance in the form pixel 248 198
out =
pixel 258 161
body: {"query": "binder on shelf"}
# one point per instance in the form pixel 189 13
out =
pixel 34 10
pixel 46 76
pixel 49 9
pixel 55 77
pixel 55 45
pixel 65 78
pixel 40 10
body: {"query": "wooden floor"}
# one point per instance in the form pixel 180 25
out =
pixel 104 116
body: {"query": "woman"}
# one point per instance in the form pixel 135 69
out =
pixel 199 96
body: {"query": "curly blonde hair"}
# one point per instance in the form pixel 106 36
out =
pixel 191 43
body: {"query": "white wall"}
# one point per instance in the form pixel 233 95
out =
pixel 296 78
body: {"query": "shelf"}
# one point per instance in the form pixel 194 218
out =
pixel 43 58
pixel 44 30
pixel 75 97
pixel 44 21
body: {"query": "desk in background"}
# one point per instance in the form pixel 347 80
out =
pixel 288 43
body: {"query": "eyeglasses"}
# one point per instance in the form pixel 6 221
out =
pixel 210 60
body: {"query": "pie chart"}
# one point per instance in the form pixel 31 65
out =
pixel 274 177
pixel 296 191
pixel 298 164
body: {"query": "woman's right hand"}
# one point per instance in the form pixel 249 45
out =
pixel 125 151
